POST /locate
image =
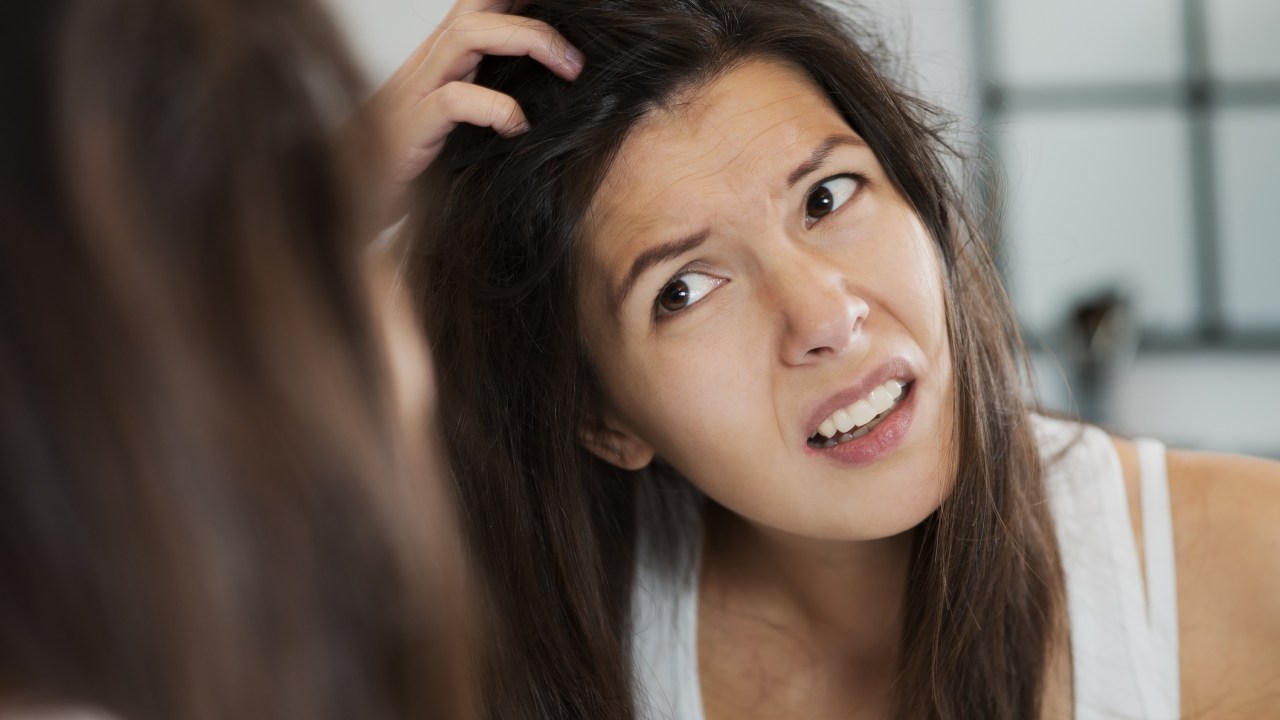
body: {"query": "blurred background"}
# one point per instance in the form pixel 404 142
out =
pixel 1139 143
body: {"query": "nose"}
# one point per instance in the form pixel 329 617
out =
pixel 822 312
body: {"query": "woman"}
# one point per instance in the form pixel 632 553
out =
pixel 213 498
pixel 733 407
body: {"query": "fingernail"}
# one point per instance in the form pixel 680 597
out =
pixel 573 57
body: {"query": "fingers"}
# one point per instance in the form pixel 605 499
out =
pixel 460 47
pixel 461 8
pixel 460 102
pixel 433 91
pixel 427 126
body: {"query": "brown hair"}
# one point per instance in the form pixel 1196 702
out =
pixel 210 504
pixel 497 225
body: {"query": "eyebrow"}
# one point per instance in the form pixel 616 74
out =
pixel 820 155
pixel 654 256
pixel 675 248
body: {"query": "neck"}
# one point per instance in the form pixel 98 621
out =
pixel 844 596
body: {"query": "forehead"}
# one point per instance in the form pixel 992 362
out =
pixel 734 138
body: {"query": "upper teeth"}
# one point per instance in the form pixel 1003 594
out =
pixel 863 411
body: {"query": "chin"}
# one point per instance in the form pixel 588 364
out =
pixel 890 505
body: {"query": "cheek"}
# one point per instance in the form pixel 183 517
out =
pixel 921 285
pixel 933 317
pixel 692 400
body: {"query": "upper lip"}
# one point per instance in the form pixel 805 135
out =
pixel 895 368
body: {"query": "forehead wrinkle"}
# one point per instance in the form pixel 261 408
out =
pixel 726 152
pixel 617 221
pixel 699 122
pixel 632 194
pixel 699 109
pixel 793 127
pixel 633 186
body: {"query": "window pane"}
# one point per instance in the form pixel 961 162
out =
pixel 1242 38
pixel 1098 201
pixel 1248 176
pixel 1088 41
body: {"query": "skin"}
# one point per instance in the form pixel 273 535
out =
pixel 432 92
pixel 1227 549
pixel 794 310
pixel 721 392
pixel 726 389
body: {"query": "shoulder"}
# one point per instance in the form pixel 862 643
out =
pixel 1226 520
pixel 1226 527
pixel 1231 495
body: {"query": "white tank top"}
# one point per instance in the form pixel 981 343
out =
pixel 1124 636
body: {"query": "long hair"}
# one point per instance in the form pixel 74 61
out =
pixel 494 266
pixel 212 504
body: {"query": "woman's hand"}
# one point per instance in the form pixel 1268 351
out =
pixel 432 92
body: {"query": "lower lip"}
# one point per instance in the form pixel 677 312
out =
pixel 880 442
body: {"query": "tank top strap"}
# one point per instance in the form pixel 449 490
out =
pixel 1123 632
pixel 1162 587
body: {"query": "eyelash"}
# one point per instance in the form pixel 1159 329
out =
pixel 660 314
pixel 859 181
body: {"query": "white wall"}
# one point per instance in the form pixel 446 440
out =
pixel 384 32
pixel 936 38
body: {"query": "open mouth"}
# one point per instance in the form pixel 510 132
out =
pixel 861 417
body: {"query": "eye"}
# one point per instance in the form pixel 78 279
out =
pixel 684 290
pixel 827 196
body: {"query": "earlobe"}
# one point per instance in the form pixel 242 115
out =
pixel 618 447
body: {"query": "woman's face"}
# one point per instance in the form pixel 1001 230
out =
pixel 754 285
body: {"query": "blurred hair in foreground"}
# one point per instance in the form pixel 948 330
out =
pixel 215 500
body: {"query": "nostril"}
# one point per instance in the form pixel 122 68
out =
pixel 822 313
pixel 817 336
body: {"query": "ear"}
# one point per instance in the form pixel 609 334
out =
pixel 609 440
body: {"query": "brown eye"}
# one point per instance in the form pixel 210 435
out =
pixel 829 195
pixel 820 202
pixel 674 297
pixel 685 290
